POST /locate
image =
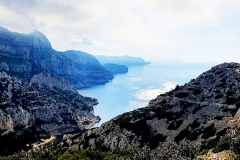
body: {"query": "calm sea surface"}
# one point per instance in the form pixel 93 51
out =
pixel 134 89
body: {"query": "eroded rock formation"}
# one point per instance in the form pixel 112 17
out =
pixel 49 105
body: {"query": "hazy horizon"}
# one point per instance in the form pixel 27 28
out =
pixel 186 30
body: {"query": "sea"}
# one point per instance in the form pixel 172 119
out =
pixel 136 88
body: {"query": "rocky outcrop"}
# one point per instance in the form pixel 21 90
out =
pixel 24 55
pixel 51 81
pixel 198 111
pixel 116 68
pixel 49 103
pixel 124 60
pixel 217 156
pixel 48 106
pixel 88 68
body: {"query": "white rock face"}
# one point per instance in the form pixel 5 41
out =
pixel 19 116
pixel 4 66
pixel 48 104
pixel 51 81
pixel 6 122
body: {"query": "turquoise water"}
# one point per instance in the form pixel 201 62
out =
pixel 141 84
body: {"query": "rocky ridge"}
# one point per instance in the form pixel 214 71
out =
pixel 24 55
pixel 198 111
pixel 48 106
pixel 51 81
pixel 49 103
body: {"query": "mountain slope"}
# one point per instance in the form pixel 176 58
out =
pixel 24 55
pixel 198 111
pixel 49 106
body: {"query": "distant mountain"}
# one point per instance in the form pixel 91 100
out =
pixel 116 68
pixel 124 60
pixel 24 55
pixel 88 68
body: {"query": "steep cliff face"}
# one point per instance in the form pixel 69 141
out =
pixel 48 106
pixel 88 68
pixel 198 111
pixel 25 55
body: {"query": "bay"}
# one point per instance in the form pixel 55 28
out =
pixel 136 88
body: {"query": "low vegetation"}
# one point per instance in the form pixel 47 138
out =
pixel 165 150
pixel 230 141
pixel 185 149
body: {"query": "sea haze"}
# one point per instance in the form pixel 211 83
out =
pixel 134 89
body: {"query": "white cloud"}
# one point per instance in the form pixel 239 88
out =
pixel 69 38
pixel 63 40
pixel 155 29
pixel 15 21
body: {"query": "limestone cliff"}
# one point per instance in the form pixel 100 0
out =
pixel 24 55
pixel 47 106
pixel 198 111
pixel 48 103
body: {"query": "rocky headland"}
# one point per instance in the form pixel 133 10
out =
pixel 88 68
pixel 116 68
pixel 47 106
pixel 24 55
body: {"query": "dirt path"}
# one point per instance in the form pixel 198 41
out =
pixel 44 141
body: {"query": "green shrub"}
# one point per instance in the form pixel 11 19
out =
pixel 171 151
pixel 229 141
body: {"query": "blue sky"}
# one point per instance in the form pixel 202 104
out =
pixel 187 30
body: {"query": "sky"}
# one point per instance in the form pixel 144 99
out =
pixel 187 30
